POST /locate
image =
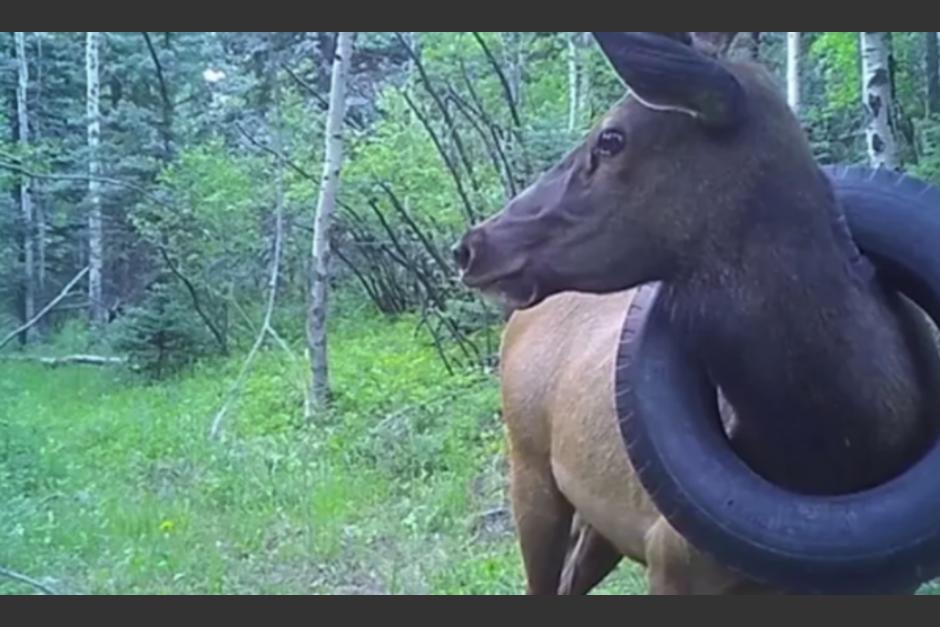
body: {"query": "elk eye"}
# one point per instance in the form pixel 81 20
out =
pixel 609 142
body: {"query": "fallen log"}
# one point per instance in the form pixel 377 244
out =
pixel 54 362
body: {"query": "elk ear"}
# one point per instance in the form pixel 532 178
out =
pixel 667 73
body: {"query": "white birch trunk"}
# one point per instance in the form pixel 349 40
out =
pixel 877 99
pixel 793 71
pixel 584 103
pixel 95 236
pixel 319 281
pixel 579 81
pixel 574 73
pixel 26 199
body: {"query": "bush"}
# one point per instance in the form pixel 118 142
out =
pixel 162 334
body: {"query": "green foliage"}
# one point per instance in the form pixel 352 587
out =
pixel 161 335
pixel 928 166
pixel 831 83
pixel 111 485
pixel 838 57
pixel 401 154
pixel 214 213
pixel 73 335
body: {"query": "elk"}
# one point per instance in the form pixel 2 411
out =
pixel 695 211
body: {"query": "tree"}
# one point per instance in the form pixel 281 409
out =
pixel 793 71
pixel 584 92
pixel 39 213
pixel 932 69
pixel 95 236
pixel 877 99
pixel 26 200
pixel 579 85
pixel 513 43
pixel 319 282
pixel 573 86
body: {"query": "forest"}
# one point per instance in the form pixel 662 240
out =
pixel 235 354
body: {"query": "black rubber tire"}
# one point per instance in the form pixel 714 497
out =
pixel 882 540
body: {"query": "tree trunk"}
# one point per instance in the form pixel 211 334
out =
pixel 585 89
pixel 933 72
pixel 39 214
pixel 97 311
pixel 793 71
pixel 513 43
pixel 411 39
pixel 574 73
pixel 319 282
pixel 579 81
pixel 166 125
pixel 877 100
pixel 26 199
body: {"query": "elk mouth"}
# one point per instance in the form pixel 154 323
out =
pixel 516 289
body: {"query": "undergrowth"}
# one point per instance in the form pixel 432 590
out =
pixel 111 485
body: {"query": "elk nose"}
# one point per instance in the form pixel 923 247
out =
pixel 462 254
pixel 463 251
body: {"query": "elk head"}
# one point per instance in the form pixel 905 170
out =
pixel 654 187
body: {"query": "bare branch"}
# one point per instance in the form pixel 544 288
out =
pixel 15 576
pixel 90 360
pixel 164 93
pixel 470 213
pixel 510 101
pixel 159 68
pixel 287 349
pixel 507 90
pixel 400 208
pixel 495 129
pixel 430 291
pixel 445 113
pixel 293 165
pixel 259 340
pixel 363 280
pixel 265 328
pixel 83 178
pixel 194 295
pixel 311 90
pixel 491 141
pixel 29 323
pixel 438 345
pixel 279 155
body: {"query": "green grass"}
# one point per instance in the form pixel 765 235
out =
pixel 110 484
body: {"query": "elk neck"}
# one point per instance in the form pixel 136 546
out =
pixel 793 325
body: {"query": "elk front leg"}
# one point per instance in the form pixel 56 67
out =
pixel 543 520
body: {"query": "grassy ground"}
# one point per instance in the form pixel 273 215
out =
pixel 110 484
